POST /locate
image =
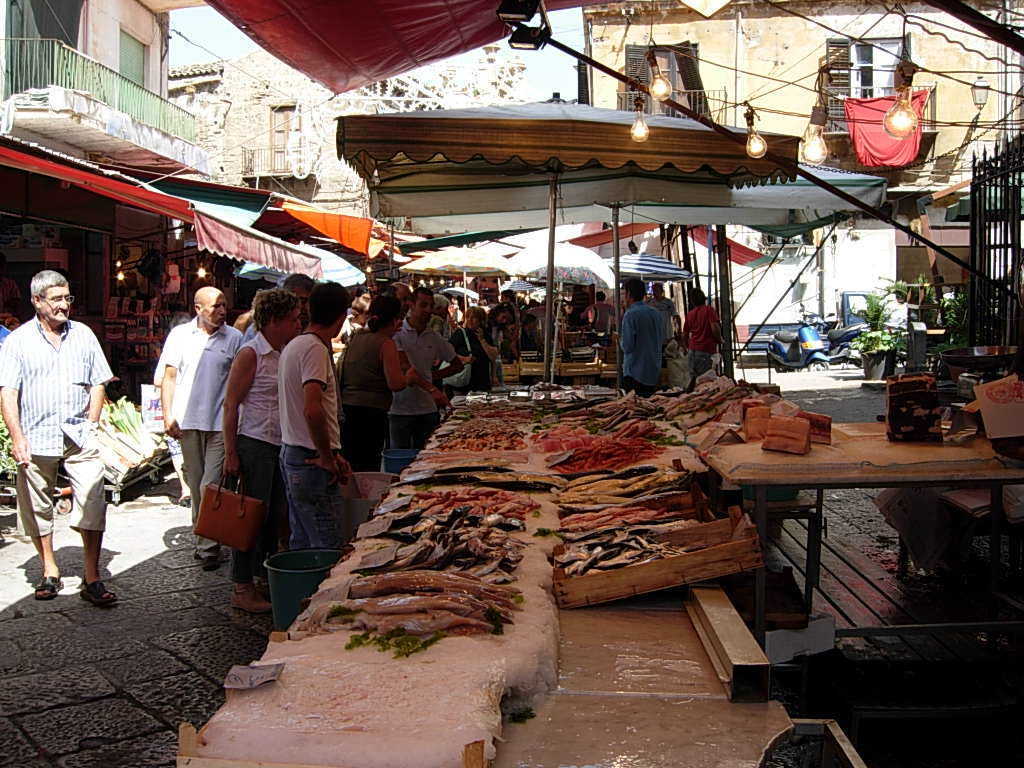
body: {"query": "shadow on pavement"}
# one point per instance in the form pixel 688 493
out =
pixel 86 687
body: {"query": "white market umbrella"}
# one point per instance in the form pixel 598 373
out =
pixel 573 264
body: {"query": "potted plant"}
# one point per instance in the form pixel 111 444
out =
pixel 878 341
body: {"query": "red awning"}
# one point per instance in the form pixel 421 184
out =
pixel 626 231
pixel 96 181
pixel 738 254
pixel 346 44
pixel 239 242
pixel 212 233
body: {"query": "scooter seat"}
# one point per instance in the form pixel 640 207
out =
pixel 837 333
pixel 786 337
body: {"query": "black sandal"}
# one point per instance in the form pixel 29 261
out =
pixel 97 594
pixel 48 588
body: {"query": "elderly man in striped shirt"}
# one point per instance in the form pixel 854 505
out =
pixel 52 377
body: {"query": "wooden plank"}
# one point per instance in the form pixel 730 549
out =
pixel 742 662
pixel 918 611
pixel 841 747
pixel 602 587
pixel 188 739
pixel 877 607
pixel 473 755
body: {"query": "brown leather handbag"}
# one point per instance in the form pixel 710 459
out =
pixel 230 517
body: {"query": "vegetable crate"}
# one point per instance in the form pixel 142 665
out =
pixel 729 545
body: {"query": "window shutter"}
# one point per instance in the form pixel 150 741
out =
pixel 638 69
pixel 687 56
pixel 582 83
pixel 837 59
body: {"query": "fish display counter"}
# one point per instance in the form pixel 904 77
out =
pixel 461 627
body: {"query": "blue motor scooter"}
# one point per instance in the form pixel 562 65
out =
pixel 798 350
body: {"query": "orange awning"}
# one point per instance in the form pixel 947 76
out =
pixel 352 232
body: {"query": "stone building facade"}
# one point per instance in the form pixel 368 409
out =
pixel 268 126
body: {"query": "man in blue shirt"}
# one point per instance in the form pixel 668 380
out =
pixel 641 341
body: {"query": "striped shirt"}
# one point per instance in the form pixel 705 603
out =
pixel 53 384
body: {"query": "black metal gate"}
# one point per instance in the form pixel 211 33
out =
pixel 993 314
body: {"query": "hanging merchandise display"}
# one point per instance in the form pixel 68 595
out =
pixel 873 144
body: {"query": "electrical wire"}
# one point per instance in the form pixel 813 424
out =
pixel 816 49
pixel 919 22
pixel 790 11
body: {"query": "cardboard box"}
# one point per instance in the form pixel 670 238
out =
pixel 1002 406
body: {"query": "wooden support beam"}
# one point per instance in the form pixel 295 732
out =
pixel 739 661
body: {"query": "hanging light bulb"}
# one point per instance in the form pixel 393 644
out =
pixel 201 273
pixel 660 87
pixel 117 263
pixel 639 131
pixel 756 145
pixel 813 147
pixel 120 277
pixel 900 120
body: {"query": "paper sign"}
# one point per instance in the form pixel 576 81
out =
pixel 243 678
pixel 1002 406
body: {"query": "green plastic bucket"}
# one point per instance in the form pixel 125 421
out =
pixel 294 576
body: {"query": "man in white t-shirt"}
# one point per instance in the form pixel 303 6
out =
pixel 414 413
pixel 311 460
pixel 197 357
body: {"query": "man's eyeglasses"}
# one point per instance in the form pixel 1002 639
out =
pixel 58 300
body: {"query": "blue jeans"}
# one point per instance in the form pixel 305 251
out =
pixel 412 431
pixel 315 506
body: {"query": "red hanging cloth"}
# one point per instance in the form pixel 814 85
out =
pixel 875 147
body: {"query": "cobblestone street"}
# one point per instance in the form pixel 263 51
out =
pixel 86 686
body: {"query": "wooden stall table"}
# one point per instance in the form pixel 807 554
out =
pixel 862 457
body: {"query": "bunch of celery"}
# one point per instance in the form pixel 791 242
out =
pixel 121 429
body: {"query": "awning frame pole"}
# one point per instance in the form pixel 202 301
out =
pixel 813 258
pixel 616 248
pixel 549 283
pixel 785 164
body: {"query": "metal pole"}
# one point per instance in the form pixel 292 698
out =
pixel 811 260
pixel 549 283
pixel 725 300
pixel 791 166
pixel 618 293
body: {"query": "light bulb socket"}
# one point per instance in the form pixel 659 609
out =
pixel 819 116
pixel 903 77
pixel 525 38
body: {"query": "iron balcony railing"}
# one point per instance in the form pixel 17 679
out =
pixel 266 161
pixel 39 63
pixel 837 113
pixel 711 103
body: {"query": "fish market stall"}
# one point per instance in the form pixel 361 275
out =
pixel 469 603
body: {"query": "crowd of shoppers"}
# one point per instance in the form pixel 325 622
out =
pixel 267 405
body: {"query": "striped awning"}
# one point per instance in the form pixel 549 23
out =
pixel 651 267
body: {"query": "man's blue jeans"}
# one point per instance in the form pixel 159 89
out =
pixel 315 505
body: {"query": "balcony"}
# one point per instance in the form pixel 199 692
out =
pixel 63 95
pixel 711 103
pixel 266 161
pixel 837 114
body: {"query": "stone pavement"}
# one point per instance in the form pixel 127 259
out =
pixel 86 686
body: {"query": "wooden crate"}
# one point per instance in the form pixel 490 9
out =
pixel 730 545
